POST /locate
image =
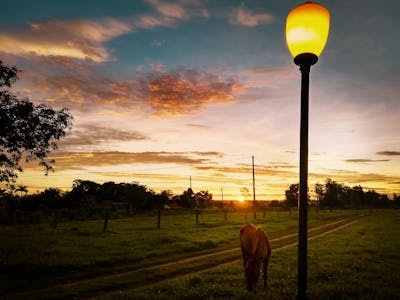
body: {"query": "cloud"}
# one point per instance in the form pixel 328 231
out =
pixel 198 126
pixel 260 171
pixel 242 16
pixel 169 10
pixel 186 91
pixel 80 160
pixel 182 91
pixel 388 153
pixel 88 135
pixel 209 153
pixel 80 39
pixel 354 177
pixel 168 14
pixel 86 39
pixel 363 160
pixel 149 21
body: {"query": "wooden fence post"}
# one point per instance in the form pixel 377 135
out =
pixel 107 205
pixel 158 219
pixel 106 213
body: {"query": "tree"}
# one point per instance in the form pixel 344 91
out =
pixel 187 199
pixel 22 189
pixel 396 200
pixel 203 199
pixel 51 198
pixel 334 194
pixel 292 195
pixel 356 196
pixel 26 130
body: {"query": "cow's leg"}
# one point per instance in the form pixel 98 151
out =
pixel 244 261
pixel 265 267
pixel 244 264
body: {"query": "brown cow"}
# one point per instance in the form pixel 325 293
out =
pixel 255 250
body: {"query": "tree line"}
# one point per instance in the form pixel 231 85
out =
pixel 332 194
pixel 85 194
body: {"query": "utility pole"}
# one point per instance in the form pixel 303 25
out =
pixel 222 195
pixel 190 182
pixel 254 189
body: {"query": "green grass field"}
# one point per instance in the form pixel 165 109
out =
pixel 358 261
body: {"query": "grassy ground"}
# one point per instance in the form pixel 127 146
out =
pixel 36 255
pixel 361 261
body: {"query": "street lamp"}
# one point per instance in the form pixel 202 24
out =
pixel 307 27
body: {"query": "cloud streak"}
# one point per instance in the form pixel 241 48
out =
pixel 79 39
pixel 363 160
pixel 389 153
pixel 80 160
pixel 243 16
pixel 89 135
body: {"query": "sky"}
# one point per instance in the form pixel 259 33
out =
pixel 162 91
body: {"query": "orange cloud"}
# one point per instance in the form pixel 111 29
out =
pixel 160 93
pixel 79 160
pixel 80 39
pixel 187 91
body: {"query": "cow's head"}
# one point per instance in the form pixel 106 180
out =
pixel 251 272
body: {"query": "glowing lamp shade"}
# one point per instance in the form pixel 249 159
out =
pixel 307 27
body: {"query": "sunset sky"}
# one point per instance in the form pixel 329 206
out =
pixel 164 90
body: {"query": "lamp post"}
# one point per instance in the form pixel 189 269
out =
pixel 307 27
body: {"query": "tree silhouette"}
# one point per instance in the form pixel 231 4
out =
pixel 26 129
pixel 22 189
pixel 203 199
pixel 187 199
pixel 292 195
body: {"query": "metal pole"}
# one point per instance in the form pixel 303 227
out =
pixel 302 203
pixel 254 189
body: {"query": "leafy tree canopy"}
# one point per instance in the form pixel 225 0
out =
pixel 27 130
